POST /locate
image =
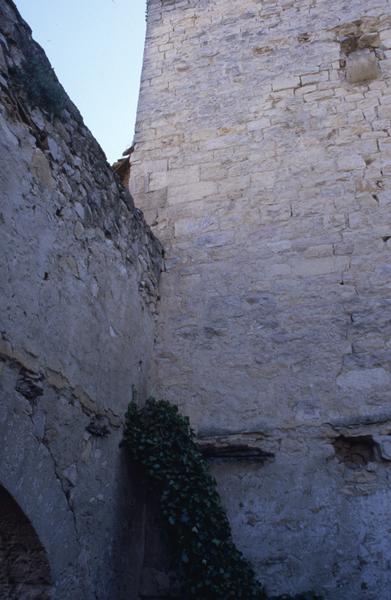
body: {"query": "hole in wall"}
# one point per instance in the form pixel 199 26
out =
pixel 360 55
pixel 304 38
pixel 349 44
pixel 99 426
pixel 260 50
pixel 356 451
pixel 29 384
pixel 42 140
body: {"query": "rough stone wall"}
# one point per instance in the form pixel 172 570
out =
pixel 263 162
pixel 78 275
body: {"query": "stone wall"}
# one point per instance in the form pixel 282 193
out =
pixel 78 273
pixel 263 162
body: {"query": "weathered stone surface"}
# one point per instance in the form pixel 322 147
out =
pixel 78 275
pixel 267 175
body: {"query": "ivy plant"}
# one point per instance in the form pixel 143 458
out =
pixel 160 440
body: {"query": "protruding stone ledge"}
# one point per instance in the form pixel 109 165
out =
pixel 233 450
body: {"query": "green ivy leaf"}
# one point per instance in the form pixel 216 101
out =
pixel 162 442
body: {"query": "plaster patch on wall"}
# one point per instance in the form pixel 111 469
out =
pixel 360 47
pixel 361 66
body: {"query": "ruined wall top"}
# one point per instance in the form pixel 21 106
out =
pixel 79 275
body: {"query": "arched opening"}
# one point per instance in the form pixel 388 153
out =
pixel 24 567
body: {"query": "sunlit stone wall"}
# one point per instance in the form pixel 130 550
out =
pixel 263 163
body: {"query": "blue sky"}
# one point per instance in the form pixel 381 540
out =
pixel 96 48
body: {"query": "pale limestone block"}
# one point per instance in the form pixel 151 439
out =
pixel 385 38
pixel 285 82
pixel 213 172
pixel 384 146
pixel 319 251
pixel 308 267
pixel 305 89
pixel 216 239
pixel 319 95
pixel 232 184
pixel 279 269
pixel 384 111
pixel 258 124
pixel 154 166
pixel 342 248
pixel 315 77
pixel 281 246
pixel 185 227
pixel 384 446
pixel 267 179
pixel 364 379
pixel 350 162
pixel 355 116
pixel 224 154
pixel 221 142
pixel 203 134
pixel 189 156
pixel 334 75
pixel 191 192
pixel 184 175
pixel 138 184
pixel 275 214
pixel 157 181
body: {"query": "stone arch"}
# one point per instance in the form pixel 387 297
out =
pixel 24 566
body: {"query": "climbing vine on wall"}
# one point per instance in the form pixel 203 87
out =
pixel 162 442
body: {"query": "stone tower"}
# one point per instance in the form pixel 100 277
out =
pixel 263 163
